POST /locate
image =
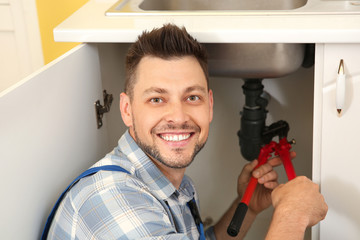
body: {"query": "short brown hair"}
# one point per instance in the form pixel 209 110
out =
pixel 166 42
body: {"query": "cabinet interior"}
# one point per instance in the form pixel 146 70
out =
pixel 220 162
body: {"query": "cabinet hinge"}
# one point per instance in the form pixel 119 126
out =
pixel 100 110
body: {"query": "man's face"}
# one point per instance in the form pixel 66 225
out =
pixel 171 109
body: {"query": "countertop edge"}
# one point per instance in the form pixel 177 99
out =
pixel 89 24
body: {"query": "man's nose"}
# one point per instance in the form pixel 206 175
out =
pixel 177 113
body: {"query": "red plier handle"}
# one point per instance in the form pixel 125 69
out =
pixel 283 150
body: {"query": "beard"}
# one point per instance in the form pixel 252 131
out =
pixel 177 160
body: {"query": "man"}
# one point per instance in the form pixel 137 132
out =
pixel 168 106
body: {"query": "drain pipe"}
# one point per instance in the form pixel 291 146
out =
pixel 254 134
pixel 253 119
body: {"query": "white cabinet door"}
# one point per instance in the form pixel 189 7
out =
pixel 337 164
pixel 48 135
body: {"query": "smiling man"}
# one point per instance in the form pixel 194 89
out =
pixel 168 112
pixel 168 106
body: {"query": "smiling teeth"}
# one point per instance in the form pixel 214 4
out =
pixel 175 138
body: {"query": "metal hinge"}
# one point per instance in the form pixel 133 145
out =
pixel 100 110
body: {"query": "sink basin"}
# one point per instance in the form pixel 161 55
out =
pixel 239 60
pixel 223 5
pixel 254 60
pixel 169 7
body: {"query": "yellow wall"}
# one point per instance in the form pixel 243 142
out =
pixel 51 13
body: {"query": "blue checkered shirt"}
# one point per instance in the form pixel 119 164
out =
pixel 117 205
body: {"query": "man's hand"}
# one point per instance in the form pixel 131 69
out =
pixel 298 204
pixel 261 199
pixel 267 178
pixel 301 199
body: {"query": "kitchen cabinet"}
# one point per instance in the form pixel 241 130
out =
pixel 306 101
pixel 49 134
pixel 336 140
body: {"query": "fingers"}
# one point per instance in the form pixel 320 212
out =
pixel 271 185
pixel 269 180
pixel 250 166
pixel 276 161
pixel 263 170
pixel 266 175
pixel 246 172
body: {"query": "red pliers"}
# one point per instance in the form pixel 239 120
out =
pixel 281 149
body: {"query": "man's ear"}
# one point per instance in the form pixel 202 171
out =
pixel 125 109
pixel 211 104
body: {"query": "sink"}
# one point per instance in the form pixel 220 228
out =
pixel 223 5
pixel 170 7
pixel 254 60
pixel 237 60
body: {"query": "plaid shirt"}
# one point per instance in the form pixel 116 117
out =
pixel 116 205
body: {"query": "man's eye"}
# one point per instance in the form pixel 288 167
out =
pixel 156 100
pixel 193 98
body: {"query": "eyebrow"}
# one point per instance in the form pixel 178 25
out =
pixel 155 90
pixel 196 88
pixel 164 91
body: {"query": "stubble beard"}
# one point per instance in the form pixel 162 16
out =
pixel 176 162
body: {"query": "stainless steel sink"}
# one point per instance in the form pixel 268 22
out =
pixel 169 7
pixel 222 5
pixel 254 60
pixel 240 60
